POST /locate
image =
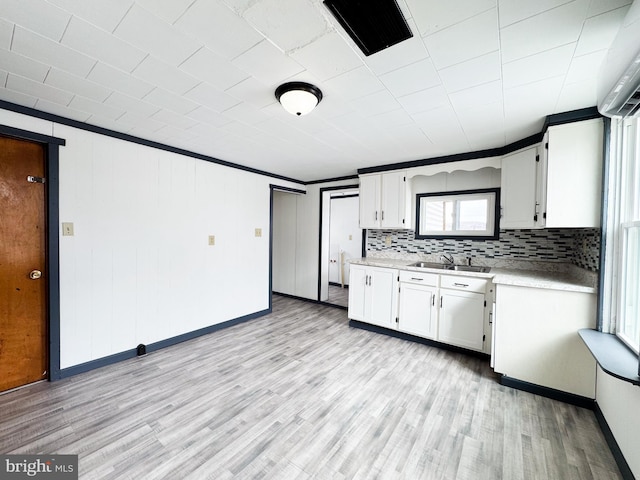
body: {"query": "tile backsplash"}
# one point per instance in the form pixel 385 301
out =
pixel 580 246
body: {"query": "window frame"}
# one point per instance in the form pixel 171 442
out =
pixel 493 215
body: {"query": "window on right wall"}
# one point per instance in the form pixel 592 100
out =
pixel 621 279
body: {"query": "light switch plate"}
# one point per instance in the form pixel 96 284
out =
pixel 67 229
pixel 258 232
pixel 212 239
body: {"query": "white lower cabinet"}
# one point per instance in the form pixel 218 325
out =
pixel 373 295
pixel 462 319
pixel 418 313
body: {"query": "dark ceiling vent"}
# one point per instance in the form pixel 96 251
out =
pixel 372 24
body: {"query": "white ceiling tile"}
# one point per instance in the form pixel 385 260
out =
pixel 95 108
pixel 170 78
pixel 219 28
pixel 376 103
pixel 241 130
pixel 412 78
pixel 441 126
pixel 213 69
pixel 327 57
pixel 353 84
pixel 465 40
pixel 247 114
pixel 211 117
pixel 210 97
pixel 6 33
pixel 423 100
pixel 22 65
pixel 208 131
pixel 167 10
pixel 37 16
pixel 36 89
pixel 105 15
pixel 598 32
pixel 478 96
pixel 434 15
pixel 289 24
pixel 561 26
pixel 267 64
pixel 71 83
pixel 582 67
pixel 131 105
pixel 404 53
pixel 239 6
pixel 576 95
pixel 471 73
pixel 17 97
pixel 597 7
pixel 537 99
pixel 110 124
pixel 170 101
pixel 94 42
pixel 171 118
pixel 51 53
pixel 393 119
pixel 539 66
pixel 61 110
pixel 152 35
pixel 252 91
pixel 474 121
pixel 512 11
pixel 118 80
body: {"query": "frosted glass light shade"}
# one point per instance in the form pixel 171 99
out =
pixel 298 98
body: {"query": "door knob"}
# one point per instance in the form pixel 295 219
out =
pixel 35 274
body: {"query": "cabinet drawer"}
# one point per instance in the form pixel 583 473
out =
pixel 419 278
pixel 470 284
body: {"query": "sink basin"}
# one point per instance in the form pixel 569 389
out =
pixel 470 268
pixel 441 266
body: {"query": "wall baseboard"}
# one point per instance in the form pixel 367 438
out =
pixel 152 347
pixel 573 399
pixel 625 471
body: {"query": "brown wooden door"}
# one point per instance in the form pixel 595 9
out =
pixel 23 306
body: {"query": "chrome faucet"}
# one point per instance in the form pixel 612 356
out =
pixel 447 258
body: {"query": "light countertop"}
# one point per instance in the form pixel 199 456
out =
pixel 559 279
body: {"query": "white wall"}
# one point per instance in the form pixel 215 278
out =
pixel 139 268
pixel 620 404
pixel 285 222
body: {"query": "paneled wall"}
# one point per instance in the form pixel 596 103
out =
pixel 139 268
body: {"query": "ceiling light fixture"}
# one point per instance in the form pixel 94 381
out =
pixel 298 98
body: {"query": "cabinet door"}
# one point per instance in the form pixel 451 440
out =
pixel 381 302
pixel 574 173
pixel 417 311
pixel 370 201
pixel 392 207
pixel 358 280
pixel 461 319
pixel 518 189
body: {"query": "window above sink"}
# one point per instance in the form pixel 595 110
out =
pixel 466 214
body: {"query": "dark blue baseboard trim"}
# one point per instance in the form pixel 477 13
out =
pixel 626 472
pixel 412 338
pixel 577 400
pixel 152 347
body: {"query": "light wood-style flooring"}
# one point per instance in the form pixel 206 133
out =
pixel 299 394
pixel 338 296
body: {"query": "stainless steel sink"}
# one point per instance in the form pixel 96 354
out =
pixel 460 268
pixel 441 266
pixel 470 268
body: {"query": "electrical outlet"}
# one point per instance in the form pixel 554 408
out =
pixel 350 237
pixel 258 232
pixel 67 229
pixel 212 239
pixel 387 240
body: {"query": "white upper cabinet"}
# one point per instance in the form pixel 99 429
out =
pixel 384 200
pixel 574 174
pixel 518 189
pixel 558 184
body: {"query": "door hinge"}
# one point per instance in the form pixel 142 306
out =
pixel 34 179
pixel 537 158
pixel 546 145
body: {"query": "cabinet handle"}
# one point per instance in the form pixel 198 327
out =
pixel 460 285
pixel 418 279
pixel 376 215
pixel 366 280
pixel 490 318
pixel 383 215
pixel 433 300
pixel 440 301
